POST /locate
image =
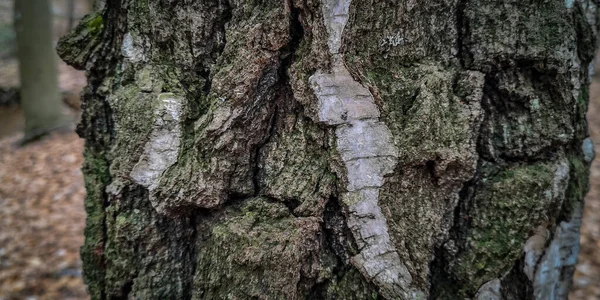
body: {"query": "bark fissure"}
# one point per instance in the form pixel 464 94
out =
pixel 287 57
pixel 346 104
pixel 461 29
pixel 334 148
pixel 257 153
pixel 193 254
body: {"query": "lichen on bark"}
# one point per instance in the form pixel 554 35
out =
pixel 333 149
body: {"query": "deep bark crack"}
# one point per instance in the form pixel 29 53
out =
pixel 461 28
pixel 283 89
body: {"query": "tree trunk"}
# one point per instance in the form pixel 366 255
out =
pixel 40 96
pixel 70 14
pixel 334 149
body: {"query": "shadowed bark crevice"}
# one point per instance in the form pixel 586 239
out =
pixel 257 155
pixel 337 234
pixel 340 245
pixel 462 28
pixel 515 285
pixel 486 116
pixel 125 291
pixel 283 94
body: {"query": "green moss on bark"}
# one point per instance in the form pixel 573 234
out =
pixel 296 167
pixel 250 57
pixel 77 47
pixel 132 132
pixel 426 110
pixel 509 205
pixel 96 177
pixel 501 32
pixel 351 285
pixel 261 252
pixel 578 185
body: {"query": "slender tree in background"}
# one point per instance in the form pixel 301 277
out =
pixel 40 96
pixel 334 149
pixel 71 14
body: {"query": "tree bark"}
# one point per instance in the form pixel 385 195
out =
pixel 334 149
pixel 40 96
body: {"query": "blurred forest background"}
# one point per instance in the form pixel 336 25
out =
pixel 42 190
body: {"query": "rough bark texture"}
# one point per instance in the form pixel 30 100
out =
pixel 334 149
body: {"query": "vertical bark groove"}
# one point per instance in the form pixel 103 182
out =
pixel 334 149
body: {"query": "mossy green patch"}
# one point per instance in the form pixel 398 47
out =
pixel 147 256
pixel 96 177
pixel 94 24
pixel 305 176
pixel 424 111
pixel 351 285
pixel 584 97
pixel 260 251
pixel 581 126
pixel 125 230
pixel 78 46
pixel 545 26
pixel 508 206
pixel 126 102
pixel 578 185
pixel 539 37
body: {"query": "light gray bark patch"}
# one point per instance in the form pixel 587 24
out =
pixel 591 15
pixel 341 98
pixel 534 249
pixel 368 172
pixel 550 281
pixel 569 3
pixel 366 139
pixel 588 150
pixel 535 246
pixel 162 148
pixel 378 258
pixel 369 154
pixel 366 147
pixel 335 13
pixel 131 49
pixel 490 291
pixel 561 180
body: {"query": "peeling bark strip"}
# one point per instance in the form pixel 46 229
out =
pixel 366 148
pixel 334 149
pixel 545 267
pixel 162 148
pixel 560 258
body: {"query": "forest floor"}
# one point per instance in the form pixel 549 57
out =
pixel 41 204
pixel 42 215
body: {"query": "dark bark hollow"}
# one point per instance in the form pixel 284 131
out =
pixel 334 149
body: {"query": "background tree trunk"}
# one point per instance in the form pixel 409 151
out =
pixel 40 96
pixel 71 14
pixel 334 149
